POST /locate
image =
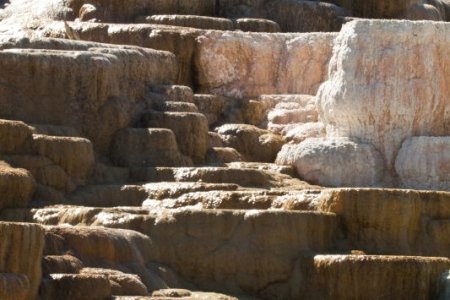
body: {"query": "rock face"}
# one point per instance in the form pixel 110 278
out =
pixel 134 147
pixel 237 273
pixel 393 96
pixel 330 286
pixel 218 248
pixel 191 130
pixel 99 86
pixel 21 253
pixel 407 222
pixel 16 186
pixel 254 143
pixel 137 160
pixel 245 65
pixel 424 162
pixel 74 155
pixel 13 136
pixel 392 92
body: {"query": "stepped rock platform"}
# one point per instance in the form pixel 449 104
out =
pixel 224 149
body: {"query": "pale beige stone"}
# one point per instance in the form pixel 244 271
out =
pixel 424 162
pixel 334 162
pixel 300 132
pixel 388 80
pixel 240 65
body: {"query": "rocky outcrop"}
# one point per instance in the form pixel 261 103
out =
pixel 99 86
pixel 424 162
pixel 293 116
pixel 190 129
pixel 327 284
pixel 151 173
pixel 295 56
pixel 214 241
pixel 14 136
pixel 16 186
pixel 180 41
pixel 134 147
pixel 392 92
pixel 406 222
pixel 74 155
pixel 244 65
pixel 20 253
pixel 222 155
pixel 253 143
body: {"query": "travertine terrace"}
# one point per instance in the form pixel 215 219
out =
pixel 224 149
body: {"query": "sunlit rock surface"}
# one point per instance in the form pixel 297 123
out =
pixel 184 149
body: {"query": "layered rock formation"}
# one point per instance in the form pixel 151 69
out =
pixel 99 86
pixel 137 160
pixel 20 260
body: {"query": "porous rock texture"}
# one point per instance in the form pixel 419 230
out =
pixel 423 270
pixel 388 85
pixel 98 85
pixel 20 259
pixel 246 65
pixel 137 160
pixel 254 143
pixel 16 186
pixel 334 162
pixel 384 88
pixel 407 222
pixel 423 162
